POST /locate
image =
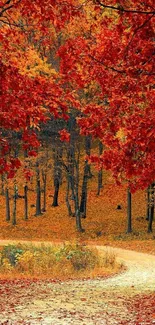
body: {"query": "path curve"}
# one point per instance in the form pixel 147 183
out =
pixel 93 302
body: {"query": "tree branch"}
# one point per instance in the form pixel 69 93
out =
pixel 136 31
pixel 122 9
pixel 102 63
pixel 9 7
pixel 6 3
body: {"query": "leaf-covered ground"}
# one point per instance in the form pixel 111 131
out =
pixel 105 224
pixel 127 298
pixel 39 302
pixel 80 302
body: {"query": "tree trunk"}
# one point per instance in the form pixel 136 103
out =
pixel 100 172
pixel 148 204
pixel 77 212
pixel 44 178
pixel 83 203
pixel 70 213
pixel 151 215
pixel 26 202
pixel 56 192
pixel 129 212
pixel 15 196
pixel 38 191
pixel 2 185
pixel 87 174
pixel 7 200
pixel 77 207
pixel 151 208
pixel 57 155
pixel 78 220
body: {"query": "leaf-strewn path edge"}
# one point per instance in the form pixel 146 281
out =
pixel 93 302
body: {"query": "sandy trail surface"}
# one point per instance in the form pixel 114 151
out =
pixel 80 302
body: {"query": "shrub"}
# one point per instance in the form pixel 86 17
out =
pixel 109 259
pixel 25 262
pixel 53 261
pixel 11 252
pixel 79 256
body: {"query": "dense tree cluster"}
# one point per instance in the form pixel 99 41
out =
pixel 90 66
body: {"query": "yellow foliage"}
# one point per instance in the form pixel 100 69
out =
pixel 69 261
pixel 26 262
pixel 121 134
pixel 6 266
pixel 32 64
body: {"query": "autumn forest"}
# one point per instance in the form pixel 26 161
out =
pixel 77 147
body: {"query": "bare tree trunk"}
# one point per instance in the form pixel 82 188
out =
pixel 38 191
pixel 77 206
pixel 56 192
pixel 87 174
pixel 26 202
pixel 15 196
pixel 72 171
pixel 151 207
pixel 2 185
pixel 83 203
pixel 129 212
pixel 70 213
pixel 148 204
pixel 44 178
pixel 7 200
pixel 100 172
pixel 57 155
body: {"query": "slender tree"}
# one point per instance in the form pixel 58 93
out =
pixel 38 190
pixel 151 207
pixel 7 203
pixel 100 172
pixel 26 202
pixel 57 155
pixel 15 196
pixel 86 175
pixel 148 203
pixel 129 211
pixel 2 185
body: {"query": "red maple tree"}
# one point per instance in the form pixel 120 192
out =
pixel 109 47
pixel 116 52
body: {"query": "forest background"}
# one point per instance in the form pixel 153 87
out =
pixel 77 121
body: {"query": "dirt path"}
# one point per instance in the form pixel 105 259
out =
pixel 93 302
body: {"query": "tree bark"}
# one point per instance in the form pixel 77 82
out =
pixel 26 202
pixel 44 178
pixel 2 185
pixel 100 172
pixel 70 213
pixel 129 212
pixel 15 196
pixel 7 200
pixel 148 204
pixel 87 174
pixel 83 204
pixel 38 191
pixel 56 192
pixel 77 206
pixel 57 155
pixel 151 208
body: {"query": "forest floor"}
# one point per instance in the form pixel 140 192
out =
pixel 104 225
pixel 127 298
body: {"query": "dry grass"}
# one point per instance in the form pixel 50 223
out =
pixel 70 261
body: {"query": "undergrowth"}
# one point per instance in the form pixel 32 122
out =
pixel 67 261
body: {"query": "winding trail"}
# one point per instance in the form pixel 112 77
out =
pixel 93 302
